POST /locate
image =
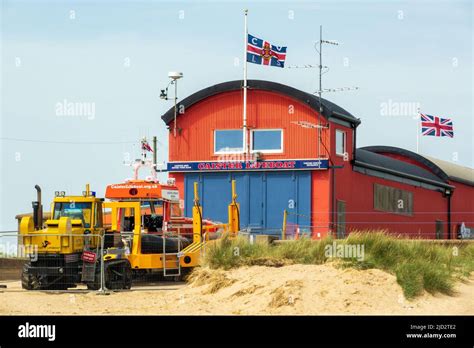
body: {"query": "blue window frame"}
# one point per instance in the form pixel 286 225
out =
pixel 228 140
pixel 267 140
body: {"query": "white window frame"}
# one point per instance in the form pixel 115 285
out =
pixel 231 151
pixel 344 142
pixel 266 130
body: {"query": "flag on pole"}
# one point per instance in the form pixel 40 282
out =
pixel 146 146
pixel 436 126
pixel 262 52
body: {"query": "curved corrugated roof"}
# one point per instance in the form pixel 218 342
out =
pixel 455 172
pixel 329 109
pixel 396 167
pixel 442 169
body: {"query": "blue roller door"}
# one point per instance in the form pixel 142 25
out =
pixel 256 204
pixel 214 192
pixel 262 196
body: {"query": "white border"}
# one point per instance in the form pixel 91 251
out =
pixel 344 141
pixel 266 130
pixel 228 152
pixel 250 170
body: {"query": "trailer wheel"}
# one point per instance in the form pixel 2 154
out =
pixel 117 276
pixel 128 276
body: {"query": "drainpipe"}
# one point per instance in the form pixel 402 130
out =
pixel 449 194
pixel 333 189
pixel 333 174
pixel 354 139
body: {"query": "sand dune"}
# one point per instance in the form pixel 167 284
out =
pixel 288 290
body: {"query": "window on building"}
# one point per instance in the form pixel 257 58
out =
pixel 228 140
pixel 393 200
pixel 340 142
pixel 267 140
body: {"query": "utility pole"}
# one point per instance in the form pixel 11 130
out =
pixel 320 86
pixel 319 126
pixel 154 150
pixel 175 105
pixel 245 87
pixel 174 76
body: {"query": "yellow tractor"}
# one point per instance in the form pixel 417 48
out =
pixel 64 250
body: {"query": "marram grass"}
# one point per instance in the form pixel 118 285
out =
pixel 418 266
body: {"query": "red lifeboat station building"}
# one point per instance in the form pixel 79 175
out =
pixel 327 186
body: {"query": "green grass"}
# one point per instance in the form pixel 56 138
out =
pixel 418 266
pixel 227 253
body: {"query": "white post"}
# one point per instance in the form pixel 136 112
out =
pixel 320 87
pixel 175 105
pixel 418 130
pixel 244 128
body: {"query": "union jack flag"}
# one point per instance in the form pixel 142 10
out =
pixel 436 126
pixel 262 52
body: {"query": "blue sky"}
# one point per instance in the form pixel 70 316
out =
pixel 116 55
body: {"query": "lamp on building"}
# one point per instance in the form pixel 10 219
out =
pixel 174 76
pixel 164 94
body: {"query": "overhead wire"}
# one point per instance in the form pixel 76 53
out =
pixel 68 142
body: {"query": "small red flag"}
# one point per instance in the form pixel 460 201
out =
pixel 146 146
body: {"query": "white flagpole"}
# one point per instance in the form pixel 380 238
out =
pixel 244 128
pixel 418 130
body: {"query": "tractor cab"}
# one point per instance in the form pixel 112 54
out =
pixel 87 209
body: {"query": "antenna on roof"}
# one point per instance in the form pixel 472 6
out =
pixel 322 70
pixel 306 124
pixel 339 89
pixel 305 66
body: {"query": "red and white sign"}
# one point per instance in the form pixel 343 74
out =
pixel 88 256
